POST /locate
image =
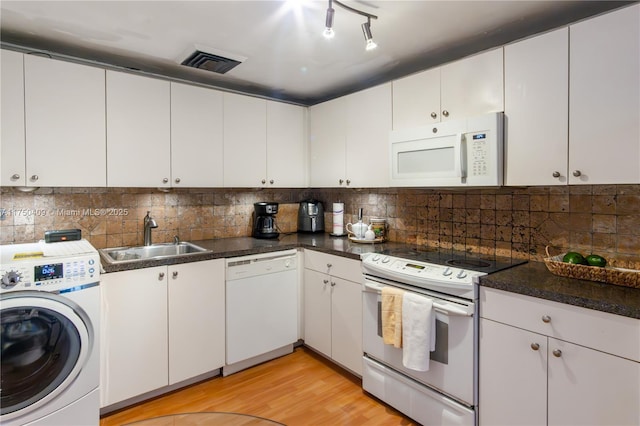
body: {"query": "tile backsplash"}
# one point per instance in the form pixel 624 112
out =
pixel 508 221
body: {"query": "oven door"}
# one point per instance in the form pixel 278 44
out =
pixel 451 367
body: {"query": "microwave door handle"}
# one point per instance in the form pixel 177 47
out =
pixel 460 158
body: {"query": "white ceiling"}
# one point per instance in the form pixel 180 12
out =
pixel 286 55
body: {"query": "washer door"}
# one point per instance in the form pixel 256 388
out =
pixel 45 343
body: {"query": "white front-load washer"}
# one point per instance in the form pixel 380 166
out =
pixel 50 323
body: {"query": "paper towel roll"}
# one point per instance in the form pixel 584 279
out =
pixel 338 218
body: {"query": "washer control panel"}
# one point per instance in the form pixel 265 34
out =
pixel 30 269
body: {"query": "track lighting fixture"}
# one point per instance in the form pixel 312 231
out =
pixel 366 27
pixel 328 30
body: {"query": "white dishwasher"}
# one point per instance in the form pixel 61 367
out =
pixel 261 308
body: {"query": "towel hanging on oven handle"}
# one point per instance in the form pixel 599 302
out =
pixel 439 305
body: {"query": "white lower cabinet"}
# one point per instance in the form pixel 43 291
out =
pixel 333 308
pixel 160 326
pixel 544 363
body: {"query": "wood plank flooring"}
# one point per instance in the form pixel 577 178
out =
pixel 299 389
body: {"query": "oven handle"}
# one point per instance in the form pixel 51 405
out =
pixel 440 306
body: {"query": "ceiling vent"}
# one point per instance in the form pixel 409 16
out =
pixel 218 62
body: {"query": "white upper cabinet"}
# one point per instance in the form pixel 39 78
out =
pixel 536 105
pixel 245 141
pixel 65 126
pixel 368 127
pixel 416 100
pixel 196 136
pixel 12 148
pixel 604 101
pixel 138 131
pixel 349 140
pixel 286 145
pixel 327 143
pixel 472 86
pixel 466 88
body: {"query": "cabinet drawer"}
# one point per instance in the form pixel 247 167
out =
pixel 335 266
pixel 602 331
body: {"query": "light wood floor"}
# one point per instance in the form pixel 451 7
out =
pixel 298 389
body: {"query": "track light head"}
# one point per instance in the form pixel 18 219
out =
pixel 328 31
pixel 366 30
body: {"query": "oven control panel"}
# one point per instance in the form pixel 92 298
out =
pixel 421 274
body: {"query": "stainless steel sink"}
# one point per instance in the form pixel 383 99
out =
pixel 154 251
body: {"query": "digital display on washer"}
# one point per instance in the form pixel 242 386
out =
pixel 411 265
pixel 50 271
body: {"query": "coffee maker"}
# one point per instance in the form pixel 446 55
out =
pixel 311 216
pixel 264 223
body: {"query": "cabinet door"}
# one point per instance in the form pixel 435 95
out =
pixel 286 146
pixel 317 311
pixel 65 126
pixel 472 86
pixel 537 108
pixel 134 333
pixel 416 100
pixel 196 136
pixel 138 131
pixel 245 141
pixel 512 376
pixel 604 101
pixel 346 324
pixel 196 319
pixel 591 387
pixel 368 127
pixel 327 143
pixel 12 150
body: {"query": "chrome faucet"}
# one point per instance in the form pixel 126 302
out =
pixel 149 223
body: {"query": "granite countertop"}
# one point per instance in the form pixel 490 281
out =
pixel 531 279
pixel 534 279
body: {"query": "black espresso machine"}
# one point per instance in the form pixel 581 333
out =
pixel 264 220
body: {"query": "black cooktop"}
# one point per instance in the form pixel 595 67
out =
pixel 457 259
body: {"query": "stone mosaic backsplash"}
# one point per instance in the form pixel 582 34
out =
pixel 512 222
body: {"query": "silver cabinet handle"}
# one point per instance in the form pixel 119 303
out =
pixel 165 180
pixel 340 181
pixel 264 181
pixel 333 284
pixel 535 346
pixel 329 265
pixel 271 181
pixel 325 281
pixel 177 180
pixel 556 174
pixel 434 130
pixel 445 113
pixel 577 173
pixel 160 276
pixel 35 177
pixel 175 274
pixel 434 115
pixel 348 181
pixel 546 319
pixel 15 177
pixel 557 353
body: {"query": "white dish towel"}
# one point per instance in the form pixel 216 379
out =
pixel 418 331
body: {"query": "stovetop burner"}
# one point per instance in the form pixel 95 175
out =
pixel 468 263
pixel 458 259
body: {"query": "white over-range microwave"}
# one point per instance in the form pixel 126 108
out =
pixel 465 152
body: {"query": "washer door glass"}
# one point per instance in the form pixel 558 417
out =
pixel 41 345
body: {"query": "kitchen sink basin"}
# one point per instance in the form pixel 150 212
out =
pixel 154 251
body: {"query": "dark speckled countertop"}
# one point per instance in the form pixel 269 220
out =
pixel 531 279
